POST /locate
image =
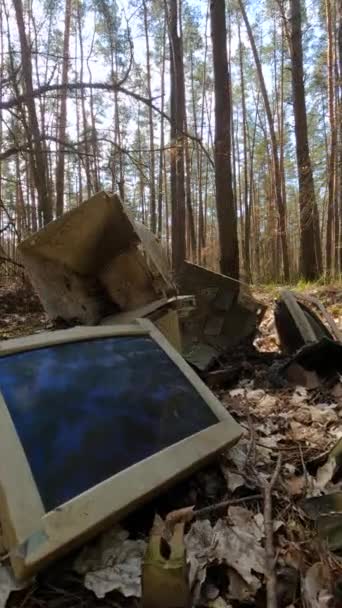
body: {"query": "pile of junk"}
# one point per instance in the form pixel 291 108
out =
pixel 97 265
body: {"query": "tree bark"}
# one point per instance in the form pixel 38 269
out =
pixel 153 211
pixel 247 258
pixel 162 139
pixel 225 204
pixel 338 244
pixel 275 154
pixel 310 244
pixel 177 138
pixel 39 164
pixel 60 169
pixel 332 152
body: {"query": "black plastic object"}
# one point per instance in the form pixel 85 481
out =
pixel 290 336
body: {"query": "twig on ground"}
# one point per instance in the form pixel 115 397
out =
pixel 270 559
pixel 201 513
pixel 305 471
pixel 251 454
pixel 6 259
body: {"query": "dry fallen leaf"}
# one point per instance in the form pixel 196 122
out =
pixel 299 396
pixel 266 405
pixel 112 563
pixel 314 588
pixel 233 479
pixel 239 546
pixel 325 474
pixel 296 485
pixel 198 543
pixel 255 395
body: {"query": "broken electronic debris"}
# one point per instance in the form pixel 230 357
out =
pixel 166 314
pixel 226 314
pixel 97 265
pixel 95 420
pixel 297 325
pixel 315 350
pixel 95 260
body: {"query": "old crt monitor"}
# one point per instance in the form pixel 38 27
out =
pixel 93 422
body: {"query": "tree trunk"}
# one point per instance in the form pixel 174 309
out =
pixel 177 138
pixel 39 165
pixel 338 243
pixel 247 258
pixel 153 213
pixel 310 244
pixel 332 151
pixel 83 106
pixel 275 155
pixel 225 205
pixel 60 169
pixel 162 139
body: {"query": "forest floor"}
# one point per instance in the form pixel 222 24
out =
pixel 287 433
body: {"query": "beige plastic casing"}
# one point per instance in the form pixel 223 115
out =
pixel 33 536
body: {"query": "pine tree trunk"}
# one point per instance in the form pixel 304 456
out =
pixel 338 240
pixel 310 245
pixel 275 154
pixel 153 211
pixel 162 139
pixel 83 106
pixel 332 151
pixel 60 169
pixel 39 164
pixel 225 204
pixel 177 138
pixel 247 259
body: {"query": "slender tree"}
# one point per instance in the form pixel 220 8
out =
pixel 39 164
pixel 60 169
pixel 225 204
pixel 274 143
pixel 310 243
pixel 177 138
pixel 153 210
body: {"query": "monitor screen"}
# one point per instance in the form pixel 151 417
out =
pixel 87 410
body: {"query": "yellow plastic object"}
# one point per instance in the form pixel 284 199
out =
pixel 164 575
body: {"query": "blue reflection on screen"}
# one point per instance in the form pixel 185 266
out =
pixel 87 410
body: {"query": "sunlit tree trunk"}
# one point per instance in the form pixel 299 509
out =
pixel 310 244
pixel 153 210
pixel 60 169
pixel 177 139
pixel 225 204
pixel 275 153
pixel 333 141
pixel 39 163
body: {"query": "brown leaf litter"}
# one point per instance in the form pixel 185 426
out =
pixel 226 551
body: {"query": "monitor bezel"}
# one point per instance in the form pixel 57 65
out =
pixel 33 536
